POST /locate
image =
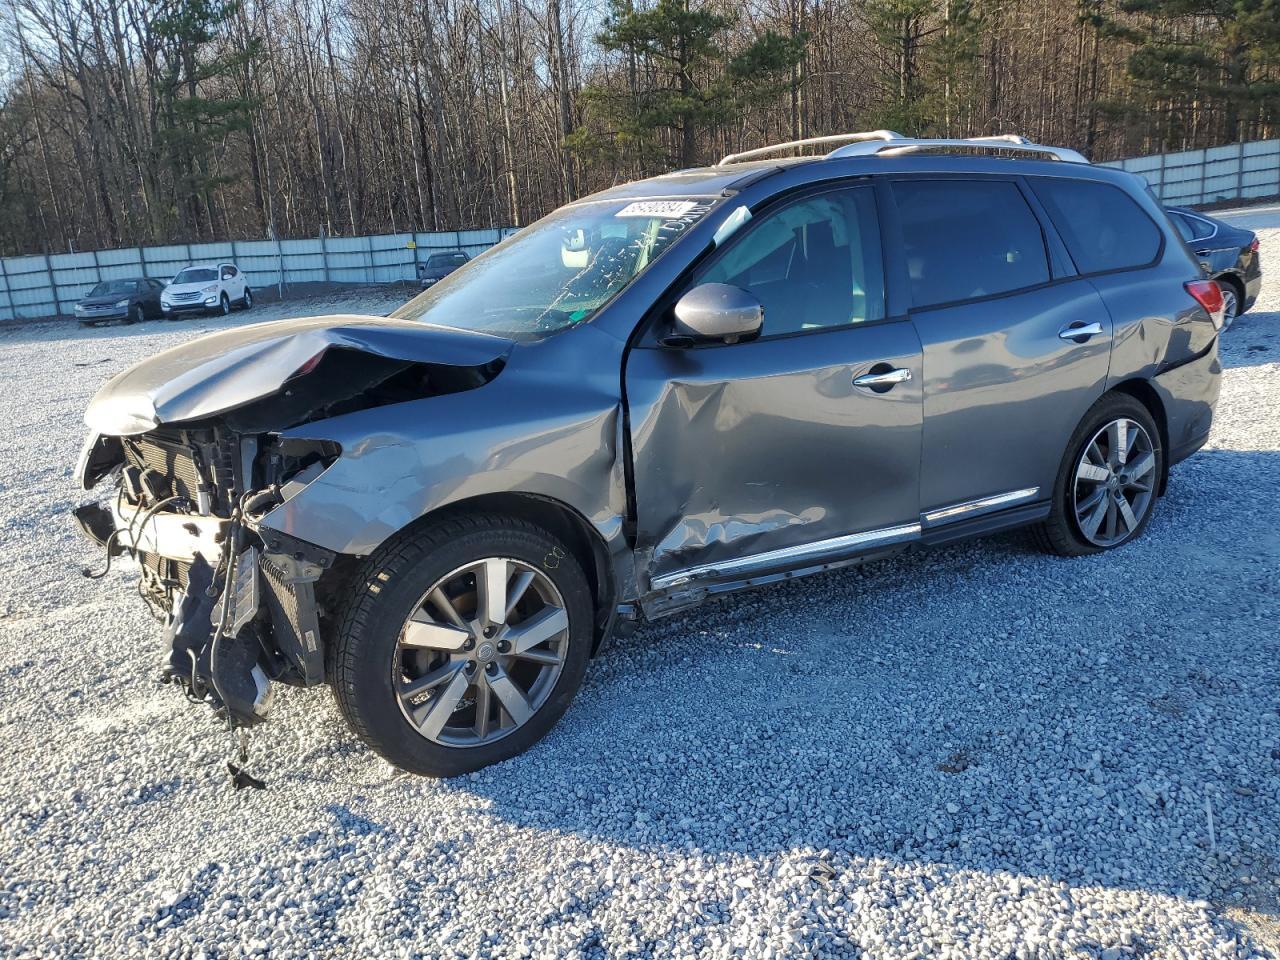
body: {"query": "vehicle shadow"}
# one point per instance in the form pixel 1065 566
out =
pixel 1253 339
pixel 980 707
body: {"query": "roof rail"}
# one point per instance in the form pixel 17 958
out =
pixel 866 135
pixel 1006 143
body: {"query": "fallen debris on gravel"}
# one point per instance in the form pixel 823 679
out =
pixel 975 752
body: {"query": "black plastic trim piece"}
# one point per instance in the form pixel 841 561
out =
pixel 1019 516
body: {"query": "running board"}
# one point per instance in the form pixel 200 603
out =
pixel 982 505
pixel 672 592
pixel 803 555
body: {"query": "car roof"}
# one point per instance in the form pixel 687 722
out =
pixel 693 182
pixel 723 179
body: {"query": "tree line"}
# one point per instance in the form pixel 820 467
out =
pixel 128 122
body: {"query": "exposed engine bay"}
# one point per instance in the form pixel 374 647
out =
pixel 238 610
pixel 242 605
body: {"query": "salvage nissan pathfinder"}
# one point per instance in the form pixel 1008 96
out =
pixel 676 388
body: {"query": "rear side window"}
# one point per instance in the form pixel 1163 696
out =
pixel 1183 225
pixel 1102 226
pixel 1197 229
pixel 967 239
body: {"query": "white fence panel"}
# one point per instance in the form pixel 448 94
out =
pixel 1193 177
pixel 44 286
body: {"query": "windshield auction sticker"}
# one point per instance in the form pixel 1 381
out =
pixel 670 209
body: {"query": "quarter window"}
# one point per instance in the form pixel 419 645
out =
pixel 1183 225
pixel 813 264
pixel 1102 226
pixel 1196 228
pixel 967 239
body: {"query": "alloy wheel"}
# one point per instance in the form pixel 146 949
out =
pixel 1230 305
pixel 1115 482
pixel 481 652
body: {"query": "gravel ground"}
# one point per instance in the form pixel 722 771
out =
pixel 974 752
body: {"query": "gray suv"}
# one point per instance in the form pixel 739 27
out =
pixel 677 388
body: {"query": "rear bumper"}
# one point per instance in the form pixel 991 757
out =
pixel 1189 393
pixel 1252 287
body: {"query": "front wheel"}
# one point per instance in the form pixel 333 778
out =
pixel 136 315
pixel 247 300
pixel 1107 485
pixel 462 644
pixel 224 305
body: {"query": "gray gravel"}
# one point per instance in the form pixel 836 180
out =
pixel 974 752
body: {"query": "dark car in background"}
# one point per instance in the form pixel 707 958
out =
pixel 1229 254
pixel 131 300
pixel 439 265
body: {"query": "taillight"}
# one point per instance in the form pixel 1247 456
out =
pixel 1209 295
pixel 310 365
pixel 1253 245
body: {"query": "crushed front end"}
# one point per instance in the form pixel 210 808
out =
pixel 238 602
pixel 190 452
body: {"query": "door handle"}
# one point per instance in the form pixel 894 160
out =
pixel 883 380
pixel 1203 253
pixel 1079 331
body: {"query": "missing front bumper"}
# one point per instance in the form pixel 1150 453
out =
pixel 239 611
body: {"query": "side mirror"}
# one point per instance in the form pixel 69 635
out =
pixel 716 312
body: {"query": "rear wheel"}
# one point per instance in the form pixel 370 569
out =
pixel 1107 485
pixel 1230 303
pixel 462 644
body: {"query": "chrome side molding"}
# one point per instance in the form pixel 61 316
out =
pixel 981 505
pixel 836 548
pixel 803 554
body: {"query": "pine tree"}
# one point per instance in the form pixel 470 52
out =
pixel 1203 64
pixel 694 83
pixel 191 116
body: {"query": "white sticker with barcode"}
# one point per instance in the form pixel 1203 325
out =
pixel 657 208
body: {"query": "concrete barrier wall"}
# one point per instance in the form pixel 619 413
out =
pixel 50 286
pixel 41 286
pixel 1238 171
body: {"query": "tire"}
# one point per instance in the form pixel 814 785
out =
pixel 136 315
pixel 247 300
pixel 224 305
pixel 1065 532
pixel 371 665
pixel 1230 303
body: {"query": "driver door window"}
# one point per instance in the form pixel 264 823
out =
pixel 813 264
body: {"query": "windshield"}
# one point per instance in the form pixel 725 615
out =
pixel 445 259
pixel 559 271
pixel 196 275
pixel 109 288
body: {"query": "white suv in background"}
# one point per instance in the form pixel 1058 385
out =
pixel 206 287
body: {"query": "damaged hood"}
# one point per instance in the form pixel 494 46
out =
pixel 222 371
